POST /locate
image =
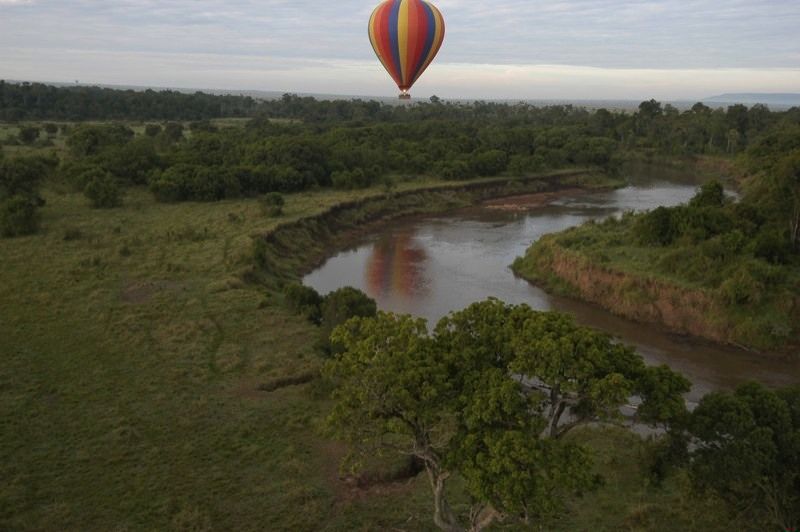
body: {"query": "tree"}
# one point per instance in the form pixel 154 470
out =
pixel 490 395
pixel 28 135
pixel 338 307
pixel 272 204
pixel 103 191
pixel 88 140
pixel 303 300
pixel 745 447
pixel 711 194
pixel 152 130
pixel 173 132
pixel 657 227
pixel 18 216
pixel 788 186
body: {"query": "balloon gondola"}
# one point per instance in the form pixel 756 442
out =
pixel 406 36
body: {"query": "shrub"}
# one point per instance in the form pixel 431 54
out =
pixel 454 170
pixel 272 204
pixel 772 246
pixel 173 184
pixel 350 180
pixel 103 191
pixel 152 130
pixel 18 216
pixel 711 194
pixel 131 163
pixel 338 307
pixel 80 173
pixel 303 300
pixel 657 227
pixel 173 132
pixel 741 288
pixel 88 140
pixel 490 162
pixel 28 135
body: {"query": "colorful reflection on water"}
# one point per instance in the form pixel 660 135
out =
pixel 395 267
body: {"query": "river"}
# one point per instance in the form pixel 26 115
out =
pixel 429 266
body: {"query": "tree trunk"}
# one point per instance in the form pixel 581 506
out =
pixel 555 418
pixel 484 518
pixel 443 516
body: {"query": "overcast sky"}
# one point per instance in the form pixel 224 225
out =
pixel 592 49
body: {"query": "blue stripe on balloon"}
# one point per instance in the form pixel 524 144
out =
pixel 394 40
pixel 428 39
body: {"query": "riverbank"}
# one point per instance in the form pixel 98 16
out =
pixel 295 247
pixel 620 281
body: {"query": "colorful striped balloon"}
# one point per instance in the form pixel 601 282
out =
pixel 406 35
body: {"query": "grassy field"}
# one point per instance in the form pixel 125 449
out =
pixel 132 356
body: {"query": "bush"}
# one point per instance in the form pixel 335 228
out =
pixel 131 163
pixel 80 173
pixel 173 132
pixel 338 307
pixel 29 135
pixel 350 180
pixel 711 194
pixel 657 227
pixel 103 191
pixel 18 216
pixel 173 184
pixel 490 162
pixel 88 140
pixel 454 170
pixel 272 204
pixel 303 300
pixel 741 288
pixel 152 130
pixel 773 246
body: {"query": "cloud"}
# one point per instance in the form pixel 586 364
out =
pixel 288 35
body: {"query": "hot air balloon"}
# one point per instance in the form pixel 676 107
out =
pixel 406 35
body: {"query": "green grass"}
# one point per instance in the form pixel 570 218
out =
pixel 132 353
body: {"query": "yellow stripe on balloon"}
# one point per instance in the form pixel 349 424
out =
pixel 437 40
pixel 402 39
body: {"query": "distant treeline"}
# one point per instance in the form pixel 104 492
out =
pixel 296 143
pixel 37 101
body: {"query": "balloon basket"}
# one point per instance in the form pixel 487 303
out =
pixel 405 96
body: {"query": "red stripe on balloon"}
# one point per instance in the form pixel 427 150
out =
pixel 420 38
pixel 385 43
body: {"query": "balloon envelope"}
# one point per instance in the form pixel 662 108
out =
pixel 406 35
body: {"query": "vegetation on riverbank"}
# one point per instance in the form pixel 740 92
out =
pixel 723 269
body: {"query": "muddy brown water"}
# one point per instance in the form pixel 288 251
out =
pixel 432 265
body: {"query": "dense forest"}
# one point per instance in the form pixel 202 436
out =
pixel 296 143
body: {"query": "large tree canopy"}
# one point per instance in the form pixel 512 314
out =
pixel 489 396
pixel 745 447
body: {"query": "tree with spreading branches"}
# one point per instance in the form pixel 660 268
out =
pixel 489 396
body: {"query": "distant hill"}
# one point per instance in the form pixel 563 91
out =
pixel 789 99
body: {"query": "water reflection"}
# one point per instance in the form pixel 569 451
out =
pixel 394 268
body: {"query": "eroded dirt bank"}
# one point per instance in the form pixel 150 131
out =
pixel 296 247
pixel 683 310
